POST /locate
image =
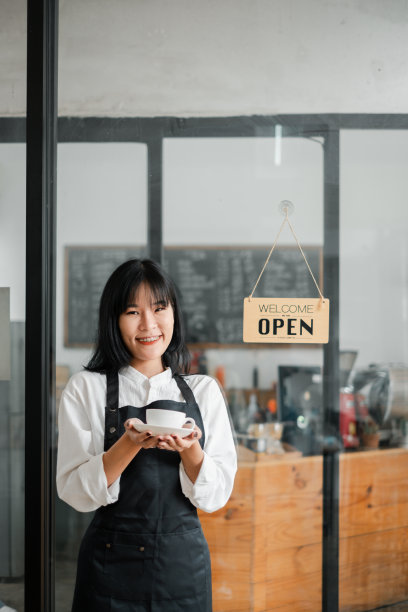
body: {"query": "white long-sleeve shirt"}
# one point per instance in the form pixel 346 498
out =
pixel 81 480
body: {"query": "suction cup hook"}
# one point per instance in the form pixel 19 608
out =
pixel 286 208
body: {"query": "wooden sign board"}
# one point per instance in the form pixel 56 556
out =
pixel 286 320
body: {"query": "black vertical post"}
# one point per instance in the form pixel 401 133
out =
pixel 155 196
pixel 42 27
pixel 331 381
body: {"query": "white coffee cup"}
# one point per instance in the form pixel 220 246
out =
pixel 168 418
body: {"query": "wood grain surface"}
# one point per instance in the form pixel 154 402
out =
pixel 266 543
pixel 373 529
pixel 273 523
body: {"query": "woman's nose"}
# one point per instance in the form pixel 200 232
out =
pixel 148 321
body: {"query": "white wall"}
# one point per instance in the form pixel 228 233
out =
pixel 227 191
pixel 217 57
pixel 102 200
pixel 373 244
pixel 12 226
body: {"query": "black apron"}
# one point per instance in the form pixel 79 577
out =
pixel 146 551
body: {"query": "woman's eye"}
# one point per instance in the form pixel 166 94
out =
pixel 132 312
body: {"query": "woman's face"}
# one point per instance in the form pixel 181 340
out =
pixel 146 328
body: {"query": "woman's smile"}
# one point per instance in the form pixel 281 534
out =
pixel 149 340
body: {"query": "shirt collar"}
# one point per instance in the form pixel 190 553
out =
pixel 155 381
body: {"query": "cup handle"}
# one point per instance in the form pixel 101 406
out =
pixel 189 420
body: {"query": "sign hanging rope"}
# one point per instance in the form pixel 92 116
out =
pixel 286 220
pixel 286 320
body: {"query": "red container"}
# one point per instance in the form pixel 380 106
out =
pixel 348 420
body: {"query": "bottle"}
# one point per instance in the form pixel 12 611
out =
pixel 255 428
pixel 240 411
pixel 220 375
pixel 271 414
pixel 254 412
pixel 255 378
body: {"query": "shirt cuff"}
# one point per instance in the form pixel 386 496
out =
pixel 113 491
pixel 206 475
pixel 95 483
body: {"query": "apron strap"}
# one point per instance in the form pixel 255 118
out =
pixel 112 390
pixel 190 399
pixel 185 389
pixel 111 410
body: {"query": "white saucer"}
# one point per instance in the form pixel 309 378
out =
pixel 158 430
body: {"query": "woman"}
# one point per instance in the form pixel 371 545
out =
pixel 144 549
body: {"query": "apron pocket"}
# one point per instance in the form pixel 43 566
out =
pixel 182 563
pixel 123 564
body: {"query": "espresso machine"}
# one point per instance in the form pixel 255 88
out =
pixel 381 394
pixel 301 405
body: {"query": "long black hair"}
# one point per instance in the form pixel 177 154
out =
pixel 110 352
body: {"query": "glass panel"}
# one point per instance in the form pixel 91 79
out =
pixel 374 400
pixel 12 345
pixel 221 217
pixel 102 220
pixel 147 60
pixel 13 50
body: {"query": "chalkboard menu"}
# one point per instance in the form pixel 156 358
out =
pixel 86 271
pixel 212 282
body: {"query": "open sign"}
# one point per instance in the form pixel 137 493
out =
pixel 286 320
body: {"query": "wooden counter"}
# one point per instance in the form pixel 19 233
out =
pixel 266 542
pixel 373 529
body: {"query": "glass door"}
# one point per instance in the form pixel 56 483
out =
pixel 102 221
pixel 12 370
pixel 12 303
pixel 221 215
pixel 374 398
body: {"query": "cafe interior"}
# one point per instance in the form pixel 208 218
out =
pixel 189 132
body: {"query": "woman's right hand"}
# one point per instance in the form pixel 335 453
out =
pixel 117 458
pixel 143 439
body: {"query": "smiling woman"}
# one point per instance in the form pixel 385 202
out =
pixel 144 548
pixel 138 303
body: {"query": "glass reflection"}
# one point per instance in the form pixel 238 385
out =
pixel 274 393
pixel 374 417
pixel 102 220
pixel 12 374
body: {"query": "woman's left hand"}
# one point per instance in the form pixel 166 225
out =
pixel 173 442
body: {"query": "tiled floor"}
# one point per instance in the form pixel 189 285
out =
pixel 12 593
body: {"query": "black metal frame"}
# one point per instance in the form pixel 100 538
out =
pixel 42 28
pixel 331 376
pixel 40 272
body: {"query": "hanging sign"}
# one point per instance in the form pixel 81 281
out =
pixel 291 320
pixel 286 320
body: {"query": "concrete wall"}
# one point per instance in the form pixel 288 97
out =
pixel 217 57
